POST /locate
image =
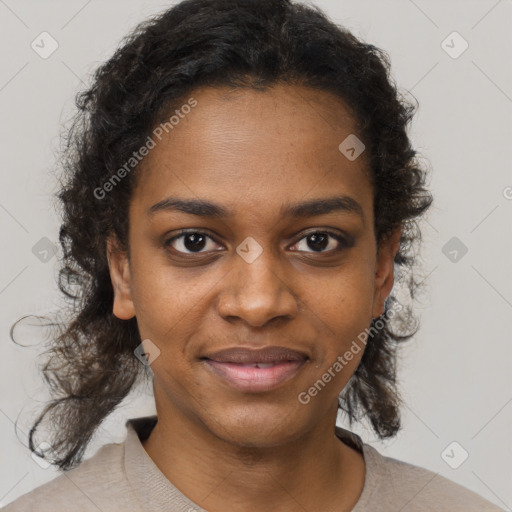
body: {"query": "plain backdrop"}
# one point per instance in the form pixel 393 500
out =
pixel 455 374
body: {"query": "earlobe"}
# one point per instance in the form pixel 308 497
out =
pixel 123 307
pixel 384 272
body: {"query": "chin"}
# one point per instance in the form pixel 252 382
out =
pixel 257 427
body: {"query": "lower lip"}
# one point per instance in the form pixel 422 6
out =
pixel 252 379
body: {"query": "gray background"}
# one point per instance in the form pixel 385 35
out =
pixel 455 374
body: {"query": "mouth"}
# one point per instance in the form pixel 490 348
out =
pixel 254 371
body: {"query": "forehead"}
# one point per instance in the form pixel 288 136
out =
pixel 257 145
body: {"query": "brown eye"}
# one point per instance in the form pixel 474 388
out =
pixel 321 241
pixel 191 242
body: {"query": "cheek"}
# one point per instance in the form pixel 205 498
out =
pixel 341 307
pixel 345 298
pixel 170 304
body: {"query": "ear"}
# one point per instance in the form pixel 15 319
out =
pixel 384 271
pixel 119 268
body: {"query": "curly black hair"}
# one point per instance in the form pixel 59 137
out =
pixel 90 365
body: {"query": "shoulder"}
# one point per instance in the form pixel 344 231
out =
pixel 398 485
pixel 98 483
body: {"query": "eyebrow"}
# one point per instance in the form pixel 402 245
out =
pixel 310 208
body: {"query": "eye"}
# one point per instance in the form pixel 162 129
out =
pixel 321 242
pixel 191 242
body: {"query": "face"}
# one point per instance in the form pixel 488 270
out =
pixel 283 255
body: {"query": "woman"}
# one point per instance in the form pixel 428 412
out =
pixel 239 191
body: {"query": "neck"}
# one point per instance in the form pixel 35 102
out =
pixel 315 471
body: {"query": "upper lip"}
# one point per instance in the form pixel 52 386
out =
pixel 242 355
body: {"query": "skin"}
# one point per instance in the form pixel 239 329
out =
pixel 253 152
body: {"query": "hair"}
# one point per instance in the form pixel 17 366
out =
pixel 90 366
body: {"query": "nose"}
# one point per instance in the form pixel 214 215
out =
pixel 257 292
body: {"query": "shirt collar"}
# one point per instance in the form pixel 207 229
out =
pixel 153 490
pixel 156 493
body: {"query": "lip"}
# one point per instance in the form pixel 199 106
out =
pixel 250 379
pixel 238 367
pixel 244 355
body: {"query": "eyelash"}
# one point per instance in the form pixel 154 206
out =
pixel 340 239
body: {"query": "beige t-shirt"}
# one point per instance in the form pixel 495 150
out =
pixel 121 477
